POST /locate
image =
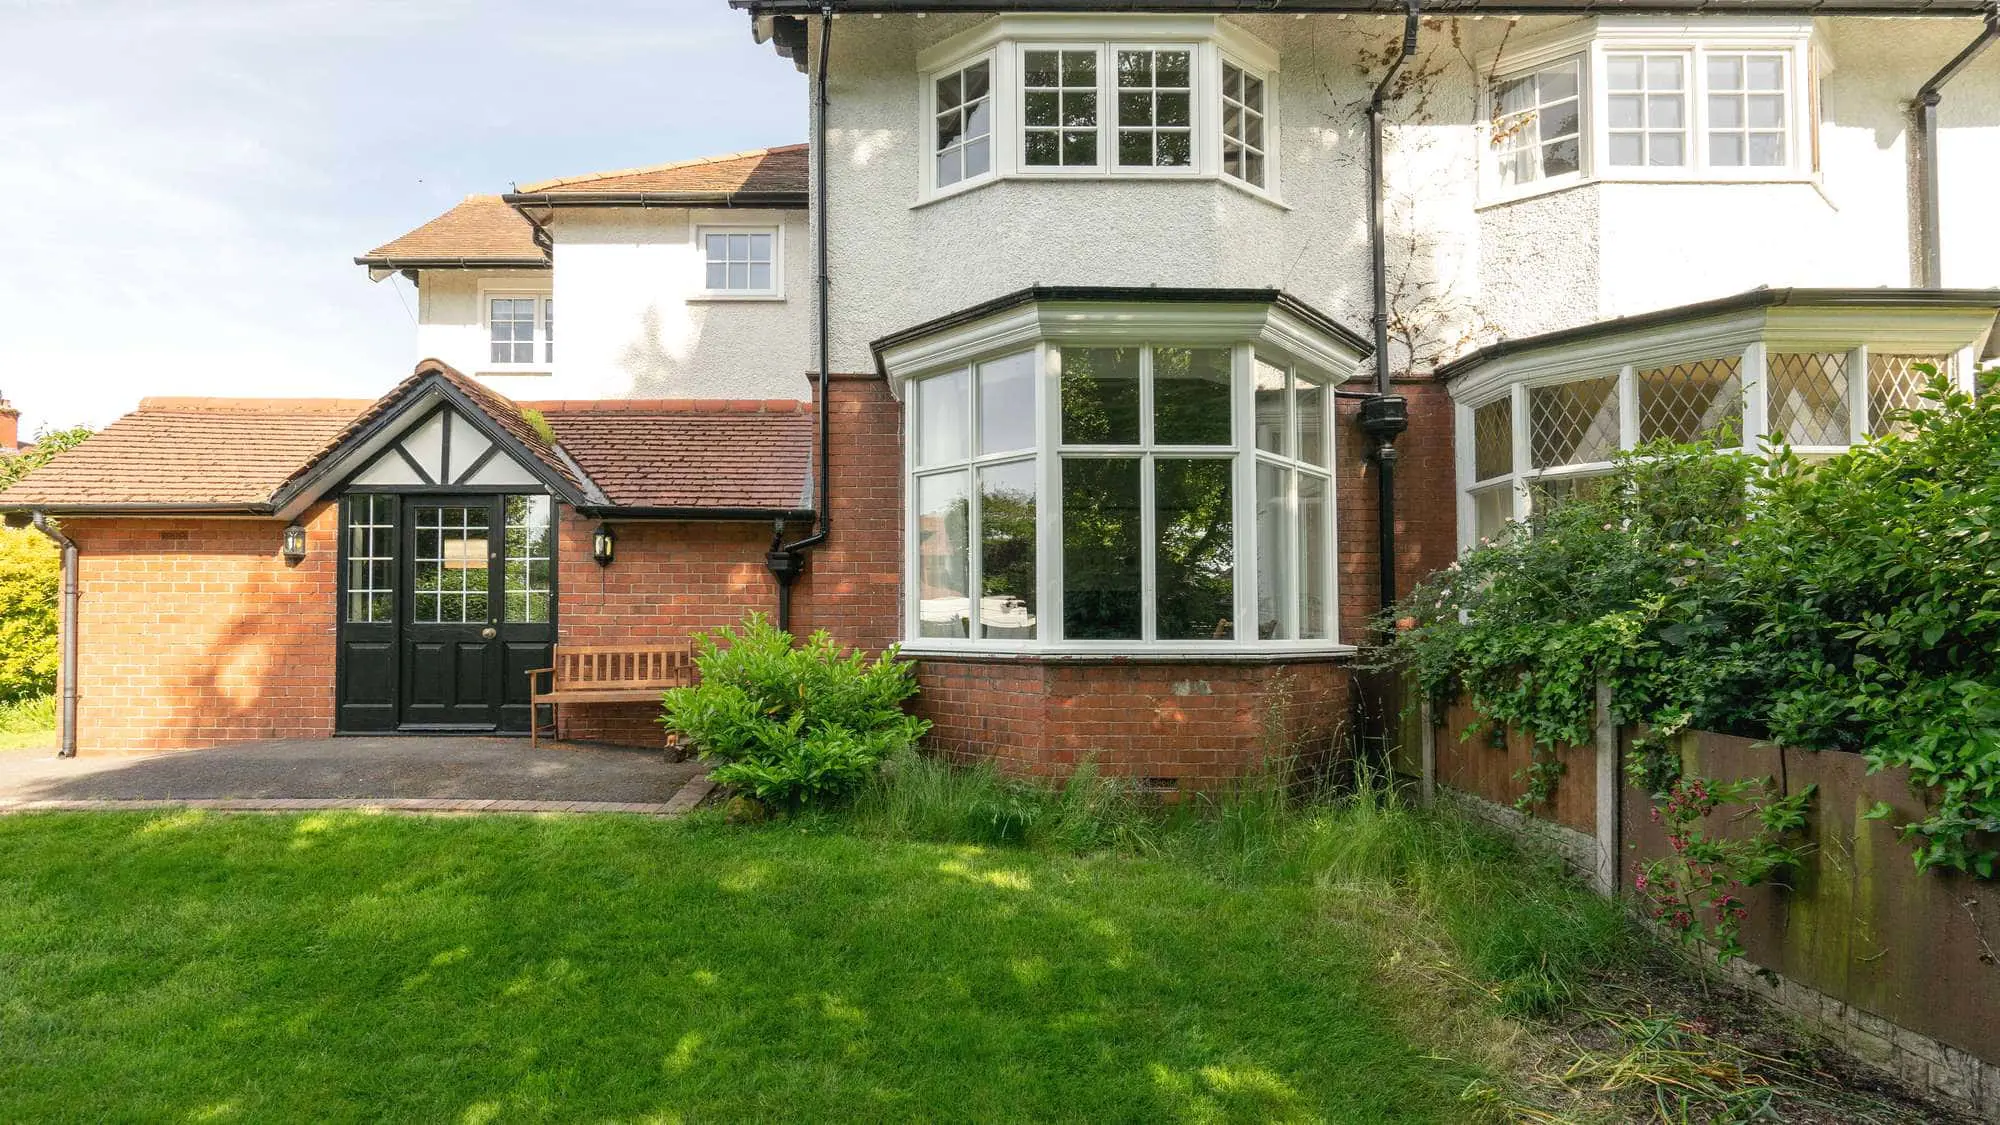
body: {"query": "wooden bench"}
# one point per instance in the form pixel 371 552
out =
pixel 605 675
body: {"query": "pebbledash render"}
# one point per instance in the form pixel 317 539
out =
pixel 1051 357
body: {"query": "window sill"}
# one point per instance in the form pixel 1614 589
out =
pixel 1098 177
pixel 725 298
pixel 1146 654
pixel 502 369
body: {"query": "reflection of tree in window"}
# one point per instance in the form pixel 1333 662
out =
pixel 1007 550
pixel 1195 561
pixel 1101 548
pixel 1100 396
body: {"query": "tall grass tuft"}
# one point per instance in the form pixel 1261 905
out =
pixel 32 715
pixel 1518 922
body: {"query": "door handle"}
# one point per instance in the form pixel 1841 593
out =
pixel 488 633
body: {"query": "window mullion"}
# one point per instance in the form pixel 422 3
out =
pixel 1148 563
pixel 1048 508
pixel 1243 540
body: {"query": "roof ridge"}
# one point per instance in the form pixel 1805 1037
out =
pixel 669 166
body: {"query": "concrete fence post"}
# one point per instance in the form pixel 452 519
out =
pixel 1428 745
pixel 1608 791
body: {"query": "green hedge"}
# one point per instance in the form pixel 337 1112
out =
pixel 1852 604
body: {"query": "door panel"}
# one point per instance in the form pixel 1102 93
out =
pixel 451 654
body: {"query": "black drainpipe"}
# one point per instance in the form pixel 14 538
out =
pixel 1931 257
pixel 66 661
pixel 1384 415
pixel 788 560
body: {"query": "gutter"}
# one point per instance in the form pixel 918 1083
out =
pixel 766 200
pixel 1384 415
pixel 709 514
pixel 786 561
pixel 66 661
pixel 1930 261
pixel 1559 8
pixel 453 263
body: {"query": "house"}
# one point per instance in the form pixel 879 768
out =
pixel 1052 357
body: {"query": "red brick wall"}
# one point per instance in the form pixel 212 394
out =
pixel 666 581
pixel 852 586
pixel 196 631
pixel 1196 724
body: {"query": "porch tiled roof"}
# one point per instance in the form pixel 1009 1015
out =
pixel 780 169
pixel 188 453
pixel 481 230
pixel 680 454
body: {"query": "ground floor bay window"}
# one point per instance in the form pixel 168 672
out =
pixel 1160 483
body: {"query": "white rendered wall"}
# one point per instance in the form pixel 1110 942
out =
pixel 1480 269
pixel 450 324
pixel 631 321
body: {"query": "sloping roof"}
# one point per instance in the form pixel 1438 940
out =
pixel 188 453
pixel 681 454
pixel 773 177
pixel 661 457
pixel 483 230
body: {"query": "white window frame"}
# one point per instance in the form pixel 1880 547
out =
pixel 1748 338
pixel 1806 62
pixel 700 238
pixel 542 363
pixel 996 139
pixel 1245 346
pixel 1006 39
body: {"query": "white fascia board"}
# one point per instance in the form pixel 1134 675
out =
pixel 1646 32
pixel 1107 322
pixel 1084 28
pixel 1707 338
pixel 1911 331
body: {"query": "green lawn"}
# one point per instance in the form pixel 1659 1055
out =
pixel 346 967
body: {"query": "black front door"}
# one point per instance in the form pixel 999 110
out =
pixel 472 610
pixel 451 641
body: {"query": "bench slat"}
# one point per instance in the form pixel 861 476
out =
pixel 599 674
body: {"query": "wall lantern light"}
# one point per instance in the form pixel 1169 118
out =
pixel 294 549
pixel 603 544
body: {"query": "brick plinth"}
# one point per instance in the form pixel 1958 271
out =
pixel 1195 724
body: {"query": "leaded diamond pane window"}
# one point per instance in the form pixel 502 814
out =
pixel 1692 401
pixel 1573 423
pixel 1896 382
pixel 1808 397
pixel 1493 439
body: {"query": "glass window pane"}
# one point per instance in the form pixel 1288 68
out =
pixel 1767 150
pixel 1725 149
pixel 760 276
pixel 1725 72
pixel 1767 111
pixel 1173 109
pixel 1174 150
pixel 1766 72
pixel 1312 397
pixel 1191 396
pixel 1195 558
pixel 1042 150
pixel 1101 548
pixel 1135 150
pixel 978 158
pixel 739 247
pixel 1573 423
pixel 1007 403
pixel 1079 148
pixel 1493 439
pixel 948 92
pixel 1041 107
pixel 1692 402
pixel 1315 561
pixel 760 248
pixel 1625 72
pixel 943 606
pixel 1663 72
pixel 943 418
pixel 1038 68
pixel 1007 550
pixel 718 276
pixel 1079 68
pixel 1807 399
pixel 1274 431
pixel 1626 111
pixel 1628 150
pixel 1273 493
pixel 1666 150
pixel 1491 509
pixel 1100 396
pixel 977 78
pixel 739 275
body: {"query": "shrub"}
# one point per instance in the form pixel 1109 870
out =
pixel 793 726
pixel 1852 604
pixel 30 572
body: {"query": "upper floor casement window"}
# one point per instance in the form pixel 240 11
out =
pixel 1122 478
pixel 520 330
pixel 1652 101
pixel 1166 97
pixel 741 262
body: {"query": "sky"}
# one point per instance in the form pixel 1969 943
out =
pixel 188 183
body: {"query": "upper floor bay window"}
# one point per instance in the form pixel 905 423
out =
pixel 1023 96
pixel 1131 488
pixel 740 261
pixel 1644 100
pixel 520 330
